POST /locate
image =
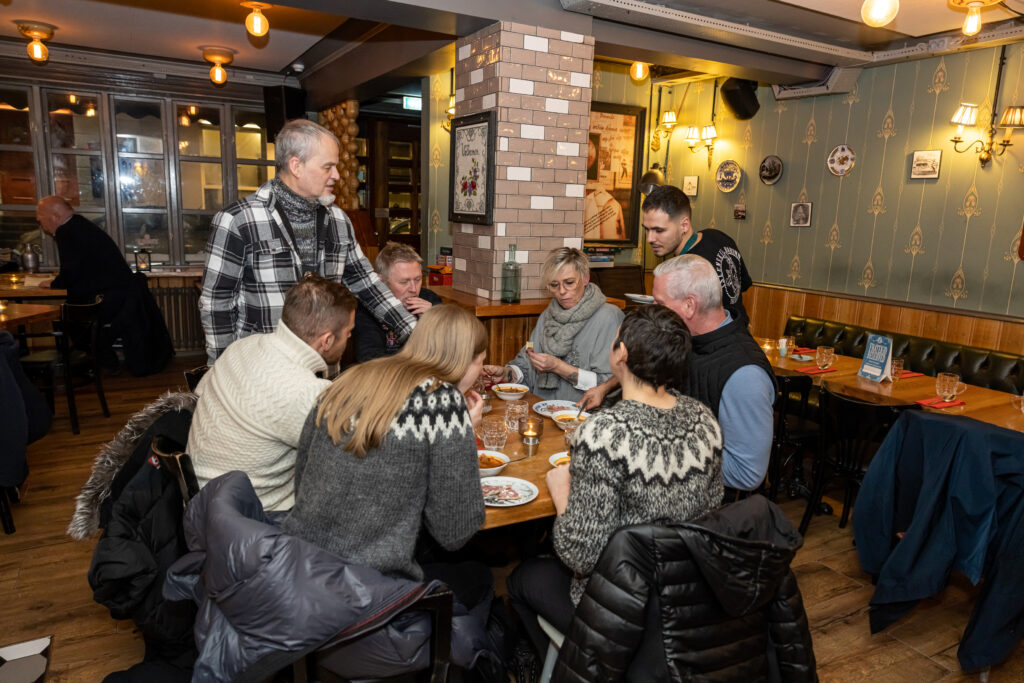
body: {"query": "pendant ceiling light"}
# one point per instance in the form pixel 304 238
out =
pixel 639 71
pixel 218 56
pixel 38 31
pixel 972 23
pixel 256 23
pixel 878 13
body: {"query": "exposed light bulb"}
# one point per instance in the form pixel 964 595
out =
pixel 191 110
pixel 256 23
pixel 73 99
pixel 90 110
pixel 639 71
pixel 184 120
pixel 878 13
pixel 218 74
pixel 972 24
pixel 37 51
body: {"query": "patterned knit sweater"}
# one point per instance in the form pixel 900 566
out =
pixel 369 510
pixel 634 464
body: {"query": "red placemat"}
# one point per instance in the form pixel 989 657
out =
pixel 939 403
pixel 815 371
pixel 803 349
pixel 907 374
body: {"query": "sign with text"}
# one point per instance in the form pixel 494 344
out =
pixel 876 365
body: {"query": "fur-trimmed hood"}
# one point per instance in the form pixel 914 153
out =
pixel 85 520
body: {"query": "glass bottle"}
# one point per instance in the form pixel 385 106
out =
pixel 511 275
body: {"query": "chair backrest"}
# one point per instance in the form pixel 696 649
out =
pixel 82 318
pixel 852 430
pixel 193 376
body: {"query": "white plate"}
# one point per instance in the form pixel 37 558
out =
pixel 525 490
pixel 841 160
pixel 800 356
pixel 728 175
pixel 556 456
pixel 640 298
pixel 549 408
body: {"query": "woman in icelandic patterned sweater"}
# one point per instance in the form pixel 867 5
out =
pixel 656 456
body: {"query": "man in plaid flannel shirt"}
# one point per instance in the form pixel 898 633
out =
pixel 263 244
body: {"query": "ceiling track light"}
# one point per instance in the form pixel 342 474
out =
pixel 256 23
pixel 38 31
pixel 218 56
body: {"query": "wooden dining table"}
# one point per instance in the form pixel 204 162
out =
pixel 20 293
pixel 14 315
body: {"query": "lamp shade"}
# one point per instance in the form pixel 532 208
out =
pixel 668 119
pixel 879 12
pixel 708 133
pixel 691 135
pixel 1013 117
pixel 966 115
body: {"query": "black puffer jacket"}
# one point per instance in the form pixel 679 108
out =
pixel 711 600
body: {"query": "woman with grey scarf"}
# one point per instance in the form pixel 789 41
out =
pixel 568 349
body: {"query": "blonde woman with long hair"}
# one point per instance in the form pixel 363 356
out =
pixel 391 444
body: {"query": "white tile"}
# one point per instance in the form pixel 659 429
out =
pixel 542 202
pixel 460 94
pixel 465 50
pixel 488 101
pixel 579 80
pixel 572 37
pixel 574 242
pixel 476 76
pixel 573 190
pixel 556 105
pixel 535 43
pixel 518 173
pixel 531 132
pixel 483 293
pixel 567 149
pixel 499 229
pixel 502 144
pixel 460 264
pixel 466 227
pixel 520 86
pixel 483 242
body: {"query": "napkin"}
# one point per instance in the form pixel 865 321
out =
pixel 803 349
pixel 906 374
pixel 938 403
pixel 815 371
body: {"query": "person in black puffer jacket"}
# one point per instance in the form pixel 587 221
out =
pixel 709 600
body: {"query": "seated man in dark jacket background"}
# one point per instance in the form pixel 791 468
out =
pixel 401 269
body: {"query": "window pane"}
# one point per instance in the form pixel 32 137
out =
pixel 197 233
pixel 250 133
pixel 73 121
pixel 79 179
pixel 14 126
pixel 142 183
pixel 17 178
pixel 138 128
pixel 146 231
pixel 201 186
pixel 198 130
pixel 18 229
pixel 250 177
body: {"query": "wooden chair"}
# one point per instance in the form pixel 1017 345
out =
pixel 791 436
pixel 71 364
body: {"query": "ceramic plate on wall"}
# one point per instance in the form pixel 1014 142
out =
pixel 841 160
pixel 770 170
pixel 728 175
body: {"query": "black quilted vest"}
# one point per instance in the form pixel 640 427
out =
pixel 718 354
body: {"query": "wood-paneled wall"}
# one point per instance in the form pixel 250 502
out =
pixel 770 306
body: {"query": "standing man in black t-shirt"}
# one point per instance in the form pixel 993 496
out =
pixel 669 231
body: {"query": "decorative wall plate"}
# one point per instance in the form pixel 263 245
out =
pixel 728 175
pixel 770 170
pixel 841 160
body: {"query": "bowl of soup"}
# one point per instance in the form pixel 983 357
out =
pixel 509 391
pixel 491 462
pixel 564 418
pixel 559 459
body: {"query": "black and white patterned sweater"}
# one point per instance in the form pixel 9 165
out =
pixel 634 464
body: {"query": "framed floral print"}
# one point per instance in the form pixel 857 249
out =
pixel 472 168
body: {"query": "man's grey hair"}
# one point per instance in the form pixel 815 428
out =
pixel 692 275
pixel 564 256
pixel 299 138
pixel 392 253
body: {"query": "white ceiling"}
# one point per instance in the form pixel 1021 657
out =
pixel 916 17
pixel 173 29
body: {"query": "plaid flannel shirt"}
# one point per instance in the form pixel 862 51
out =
pixel 251 262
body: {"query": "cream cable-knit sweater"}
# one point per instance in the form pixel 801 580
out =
pixel 252 405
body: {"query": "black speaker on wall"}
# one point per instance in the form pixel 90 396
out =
pixel 282 104
pixel 741 97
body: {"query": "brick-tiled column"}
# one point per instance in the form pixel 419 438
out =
pixel 539 80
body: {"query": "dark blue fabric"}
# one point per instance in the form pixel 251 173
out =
pixel 955 487
pixel 23 413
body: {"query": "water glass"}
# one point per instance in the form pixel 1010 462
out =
pixel 570 431
pixel 896 369
pixel 494 433
pixel 786 346
pixel 948 385
pixel 824 356
pixel 515 412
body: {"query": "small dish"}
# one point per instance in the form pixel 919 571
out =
pixel 563 418
pixel 504 492
pixel 800 357
pixel 640 298
pixel 841 160
pixel 509 391
pixel 549 408
pixel 728 175
pixel 560 458
pixel 494 455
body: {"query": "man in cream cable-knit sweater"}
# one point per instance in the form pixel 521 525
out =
pixel 254 401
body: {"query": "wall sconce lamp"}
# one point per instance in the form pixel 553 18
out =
pixel 706 136
pixel 38 31
pixel 966 116
pixel 663 129
pixel 218 56
pixel 256 23
pixel 450 112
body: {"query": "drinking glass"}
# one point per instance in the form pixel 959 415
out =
pixel 494 433
pixel 896 369
pixel 570 430
pixel 515 412
pixel 948 385
pixel 786 345
pixel 824 356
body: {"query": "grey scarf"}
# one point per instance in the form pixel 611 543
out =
pixel 561 328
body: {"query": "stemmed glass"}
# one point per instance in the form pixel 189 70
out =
pixel 824 356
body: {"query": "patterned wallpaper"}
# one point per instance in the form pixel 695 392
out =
pixel 436 228
pixel 950 241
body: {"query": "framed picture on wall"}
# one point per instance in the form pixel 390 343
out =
pixel 611 201
pixel 471 172
pixel 800 215
pixel 690 185
pixel 926 163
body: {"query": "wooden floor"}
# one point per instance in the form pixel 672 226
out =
pixel 44 589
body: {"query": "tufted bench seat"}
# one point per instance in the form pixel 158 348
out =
pixel 981 367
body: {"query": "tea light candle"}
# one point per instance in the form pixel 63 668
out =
pixel 530 430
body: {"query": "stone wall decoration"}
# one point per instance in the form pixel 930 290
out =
pixel 340 119
pixel 472 168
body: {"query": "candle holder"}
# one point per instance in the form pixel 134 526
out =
pixel 530 430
